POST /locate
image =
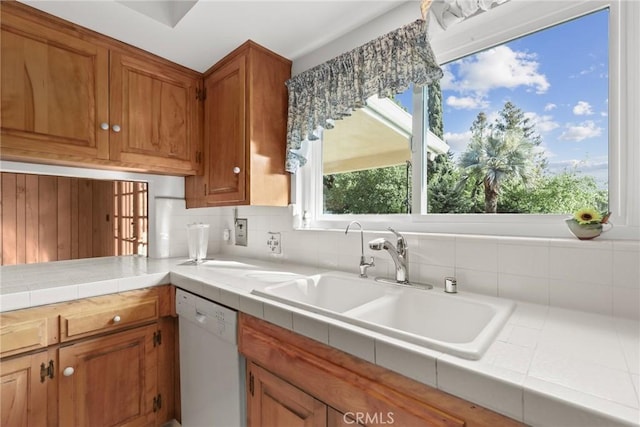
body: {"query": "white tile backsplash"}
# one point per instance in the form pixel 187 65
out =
pixel 523 260
pixel 524 288
pixel 477 254
pixel 600 276
pixel 589 265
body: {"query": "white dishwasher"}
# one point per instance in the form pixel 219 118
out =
pixel 212 371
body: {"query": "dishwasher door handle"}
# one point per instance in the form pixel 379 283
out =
pixel 201 318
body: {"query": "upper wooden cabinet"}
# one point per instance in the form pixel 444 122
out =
pixel 156 111
pixel 71 96
pixel 245 116
pixel 55 93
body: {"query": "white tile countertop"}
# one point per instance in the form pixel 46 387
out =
pixel 549 366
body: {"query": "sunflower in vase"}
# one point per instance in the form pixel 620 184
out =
pixel 588 223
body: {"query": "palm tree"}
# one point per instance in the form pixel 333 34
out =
pixel 492 158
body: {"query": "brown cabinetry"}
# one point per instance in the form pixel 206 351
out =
pixel 55 92
pixel 94 372
pixel 109 381
pixel 274 402
pixel 245 113
pixel 347 390
pixel 23 390
pixel 156 110
pixel 71 96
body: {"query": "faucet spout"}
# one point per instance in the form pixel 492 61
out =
pixel 399 255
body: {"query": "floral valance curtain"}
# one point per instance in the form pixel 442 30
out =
pixel 385 66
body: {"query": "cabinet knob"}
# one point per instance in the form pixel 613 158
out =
pixel 104 126
pixel 116 319
pixel 68 371
pixel 116 128
pixel 236 170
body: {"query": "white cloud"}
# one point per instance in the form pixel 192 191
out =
pixel 499 67
pixel 543 123
pixel 457 141
pixel 582 131
pixel 550 106
pixel 467 102
pixel 447 82
pixel 582 108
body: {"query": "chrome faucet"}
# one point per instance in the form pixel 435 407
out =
pixel 399 254
pixel 363 263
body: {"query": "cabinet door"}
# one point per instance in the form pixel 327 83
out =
pixel 224 134
pixel 109 381
pixel 54 94
pixel 273 402
pixel 23 394
pixel 336 418
pixel 156 113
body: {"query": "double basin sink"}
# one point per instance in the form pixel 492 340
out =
pixel 463 325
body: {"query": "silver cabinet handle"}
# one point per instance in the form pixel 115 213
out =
pixel 68 371
pixel 236 170
pixel 104 126
pixel 116 128
pixel 116 319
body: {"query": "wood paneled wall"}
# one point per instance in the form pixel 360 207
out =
pixel 49 218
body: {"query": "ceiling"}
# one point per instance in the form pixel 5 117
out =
pixel 197 34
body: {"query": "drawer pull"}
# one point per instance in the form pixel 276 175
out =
pixel 68 371
pixel 104 126
pixel 116 319
pixel 116 128
pixel 236 170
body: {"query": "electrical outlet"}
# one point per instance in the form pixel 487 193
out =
pixel 274 243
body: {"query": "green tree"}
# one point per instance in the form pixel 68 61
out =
pixel 513 118
pixel 382 190
pixel 480 127
pixel 491 160
pixel 443 193
pixel 434 106
pixel 563 193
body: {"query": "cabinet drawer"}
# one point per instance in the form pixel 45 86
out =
pixel 25 336
pixel 93 322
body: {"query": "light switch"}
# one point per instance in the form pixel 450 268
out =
pixel 241 232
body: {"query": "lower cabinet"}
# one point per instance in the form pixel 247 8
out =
pixel 295 381
pixel 109 381
pixel 272 402
pixel 23 390
pixel 119 376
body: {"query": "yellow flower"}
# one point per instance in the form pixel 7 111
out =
pixel 587 216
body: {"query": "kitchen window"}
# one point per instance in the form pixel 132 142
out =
pixel 552 85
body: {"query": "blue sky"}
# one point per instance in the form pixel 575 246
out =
pixel 558 77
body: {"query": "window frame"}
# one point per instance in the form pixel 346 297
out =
pixel 477 34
